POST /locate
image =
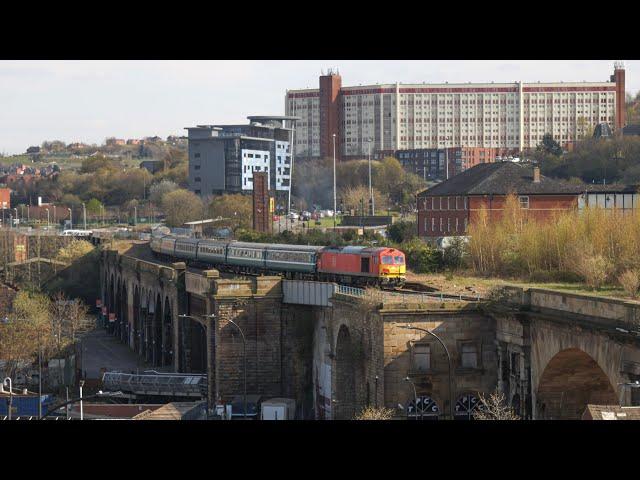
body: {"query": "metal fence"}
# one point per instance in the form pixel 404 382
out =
pixel 33 417
pixel 179 385
pixel 402 297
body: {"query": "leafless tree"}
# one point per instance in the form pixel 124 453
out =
pixel 374 413
pixel 495 408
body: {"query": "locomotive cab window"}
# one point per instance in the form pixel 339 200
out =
pixel 387 260
pixel 364 264
pixel 398 260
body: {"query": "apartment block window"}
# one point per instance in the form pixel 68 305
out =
pixel 524 201
pixel 197 179
pixel 422 357
pixel 196 155
pixel 441 224
pixel 433 224
pixel 469 355
pixel 196 167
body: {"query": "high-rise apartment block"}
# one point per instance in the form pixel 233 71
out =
pixel 223 158
pixel 509 116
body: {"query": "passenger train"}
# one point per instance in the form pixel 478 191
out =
pixel 351 265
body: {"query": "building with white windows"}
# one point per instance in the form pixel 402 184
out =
pixel 510 116
pixel 223 158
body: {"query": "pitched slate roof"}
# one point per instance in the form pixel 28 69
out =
pixel 501 178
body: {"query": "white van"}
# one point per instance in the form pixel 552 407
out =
pixel 76 233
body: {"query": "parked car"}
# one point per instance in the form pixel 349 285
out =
pixel 293 216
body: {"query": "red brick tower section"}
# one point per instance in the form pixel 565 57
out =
pixel 618 78
pixel 330 86
pixel 261 214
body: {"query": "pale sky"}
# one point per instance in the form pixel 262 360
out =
pixel 88 101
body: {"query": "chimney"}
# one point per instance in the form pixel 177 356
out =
pixel 536 174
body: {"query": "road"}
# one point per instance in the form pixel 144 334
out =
pixel 101 350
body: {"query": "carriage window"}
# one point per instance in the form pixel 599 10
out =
pixel 387 259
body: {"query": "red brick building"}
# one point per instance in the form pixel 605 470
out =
pixel 5 198
pixel 447 209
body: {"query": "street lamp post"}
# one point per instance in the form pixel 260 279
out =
pixel 334 183
pixel 415 395
pixel 54 214
pixel 70 218
pixel 84 215
pixel 39 377
pixel 409 327
pixel 244 355
pixel 81 382
pixel 373 208
pixel 47 210
pixel 7 381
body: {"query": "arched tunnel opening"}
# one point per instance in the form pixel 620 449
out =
pixel 136 321
pixel 571 380
pixel 157 334
pixel 344 404
pixel 167 334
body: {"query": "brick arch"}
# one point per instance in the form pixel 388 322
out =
pixel 111 300
pixel 167 332
pixel 125 330
pixel 137 321
pixel 570 381
pixel 550 339
pixel 156 336
pixel 345 376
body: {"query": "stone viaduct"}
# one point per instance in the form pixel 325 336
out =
pixel 549 352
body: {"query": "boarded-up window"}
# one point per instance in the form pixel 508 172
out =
pixel 469 355
pixel 422 357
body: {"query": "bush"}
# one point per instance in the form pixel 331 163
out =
pixel 402 231
pixel 420 257
pixel 454 255
pixel 594 269
pixel 630 282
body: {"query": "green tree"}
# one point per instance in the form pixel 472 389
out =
pixel 181 206
pixel 98 162
pixel 94 206
pixel 235 210
pixel 389 177
pixel 549 145
pixel 159 189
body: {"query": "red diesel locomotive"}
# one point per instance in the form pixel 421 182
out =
pixel 362 265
